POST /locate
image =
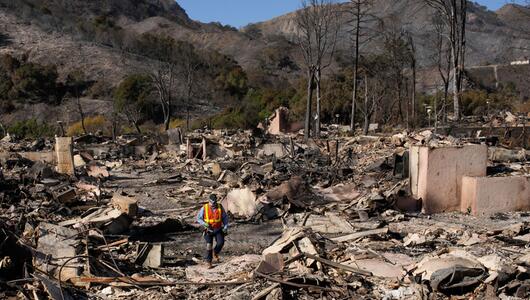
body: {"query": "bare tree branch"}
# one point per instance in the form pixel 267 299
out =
pixel 317 37
pixel 360 15
pixel 453 14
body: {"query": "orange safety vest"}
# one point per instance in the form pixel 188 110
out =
pixel 213 219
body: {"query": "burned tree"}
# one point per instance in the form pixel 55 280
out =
pixel 190 64
pixel 442 59
pixel 76 82
pixel 398 57
pixel 317 35
pixel 374 93
pixel 413 63
pixel 395 46
pixel 162 50
pixel 454 15
pixel 305 41
pixel 359 11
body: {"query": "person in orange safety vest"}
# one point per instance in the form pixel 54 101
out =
pixel 214 220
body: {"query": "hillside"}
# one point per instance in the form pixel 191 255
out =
pixel 110 25
pixel 515 16
pixel 100 38
pixel 65 51
pixel 492 37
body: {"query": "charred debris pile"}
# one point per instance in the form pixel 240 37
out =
pixel 360 217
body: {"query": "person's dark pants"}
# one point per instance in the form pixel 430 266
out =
pixel 219 243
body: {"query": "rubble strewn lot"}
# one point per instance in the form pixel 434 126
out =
pixel 403 216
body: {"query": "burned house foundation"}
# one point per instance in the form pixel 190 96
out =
pixel 342 216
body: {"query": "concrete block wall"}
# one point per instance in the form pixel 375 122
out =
pixel 489 195
pixel 436 174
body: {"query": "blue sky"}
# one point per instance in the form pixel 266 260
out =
pixel 241 12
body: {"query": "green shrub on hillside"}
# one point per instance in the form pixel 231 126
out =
pixel 475 102
pixel 100 89
pixel 6 106
pixel 134 90
pixel 34 82
pixel 234 82
pixel 31 129
pixel 5 84
pixel 229 118
pixel 92 124
pixel 104 22
pixel 255 107
pixel 177 123
pixel 131 98
pixel 9 63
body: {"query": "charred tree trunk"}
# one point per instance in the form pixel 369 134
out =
pixel 318 30
pixel 81 114
pixel 444 108
pixel 114 126
pixel 307 127
pixel 167 118
pixel 137 127
pixel 400 96
pixel 188 108
pixel 454 15
pixel 367 113
pixel 356 65
pixel 354 100
pixel 318 77
pixel 456 93
pixel 413 67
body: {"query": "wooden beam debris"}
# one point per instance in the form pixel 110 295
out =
pixel 296 285
pixel 126 281
pixel 266 291
pixel 337 265
pixel 361 234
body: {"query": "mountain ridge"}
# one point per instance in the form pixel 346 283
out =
pixel 245 46
pixel 481 22
pixel 95 36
